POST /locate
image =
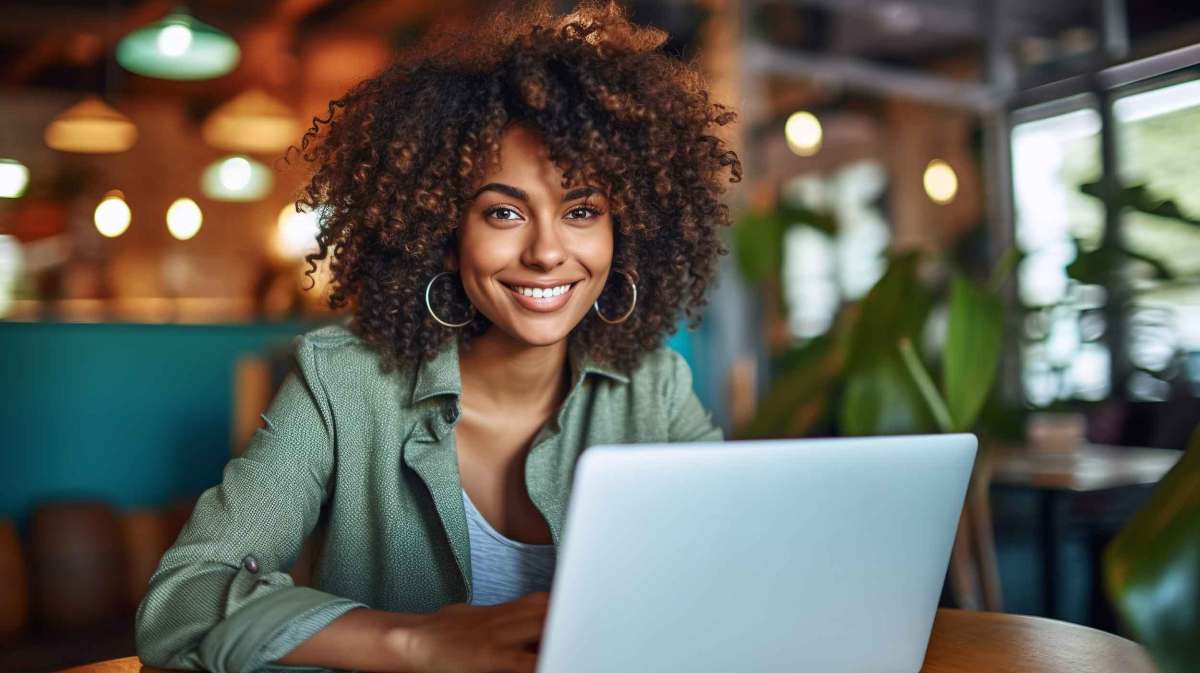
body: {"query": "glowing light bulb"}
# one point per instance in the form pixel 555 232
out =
pixel 235 174
pixel 112 215
pixel 804 133
pixel 941 182
pixel 173 40
pixel 184 218
pixel 236 178
pixel 296 235
pixel 14 177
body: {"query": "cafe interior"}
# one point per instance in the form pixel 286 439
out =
pixel 955 216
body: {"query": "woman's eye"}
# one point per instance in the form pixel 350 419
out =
pixel 582 212
pixel 501 213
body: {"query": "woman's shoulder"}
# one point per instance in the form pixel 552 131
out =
pixel 662 369
pixel 341 355
pixel 330 336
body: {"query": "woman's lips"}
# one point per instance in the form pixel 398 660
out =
pixel 542 304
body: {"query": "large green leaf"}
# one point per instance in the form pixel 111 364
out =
pixel 882 399
pixel 934 401
pixel 1152 569
pixel 972 352
pixel 758 242
pixel 879 396
pixel 894 309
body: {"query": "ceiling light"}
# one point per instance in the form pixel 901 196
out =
pixel 184 218
pixel 252 121
pixel 178 47
pixel 804 134
pixel 296 235
pixel 112 215
pixel 14 178
pixel 91 126
pixel 941 182
pixel 236 178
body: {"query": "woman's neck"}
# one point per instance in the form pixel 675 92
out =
pixel 499 372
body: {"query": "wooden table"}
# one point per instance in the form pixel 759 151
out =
pixel 962 642
pixel 1057 475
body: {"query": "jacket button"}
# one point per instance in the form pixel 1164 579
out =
pixel 450 413
pixel 250 563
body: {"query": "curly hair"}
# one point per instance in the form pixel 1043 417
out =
pixel 396 157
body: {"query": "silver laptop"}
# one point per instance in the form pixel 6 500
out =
pixel 804 556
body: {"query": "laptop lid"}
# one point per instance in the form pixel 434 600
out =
pixel 764 556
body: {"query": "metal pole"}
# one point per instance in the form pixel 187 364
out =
pixel 997 168
pixel 1115 38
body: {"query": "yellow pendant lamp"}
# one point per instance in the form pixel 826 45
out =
pixel 252 122
pixel 91 126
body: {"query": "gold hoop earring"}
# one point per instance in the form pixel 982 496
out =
pixel 429 307
pixel 628 313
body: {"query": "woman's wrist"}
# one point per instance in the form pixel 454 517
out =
pixel 397 638
pixel 362 639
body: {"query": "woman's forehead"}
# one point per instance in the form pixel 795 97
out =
pixel 524 162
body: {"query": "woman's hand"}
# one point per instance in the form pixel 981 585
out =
pixel 465 638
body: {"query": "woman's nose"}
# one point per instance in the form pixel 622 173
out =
pixel 545 249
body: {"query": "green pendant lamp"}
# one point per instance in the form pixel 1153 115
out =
pixel 236 178
pixel 178 47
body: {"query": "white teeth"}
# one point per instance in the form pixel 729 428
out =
pixel 541 293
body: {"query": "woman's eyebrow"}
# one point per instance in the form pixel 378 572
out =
pixel 579 193
pixel 517 193
pixel 503 189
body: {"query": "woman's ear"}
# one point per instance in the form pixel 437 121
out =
pixel 450 260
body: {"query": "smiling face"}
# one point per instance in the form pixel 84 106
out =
pixel 533 256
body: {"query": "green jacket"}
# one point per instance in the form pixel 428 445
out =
pixel 369 457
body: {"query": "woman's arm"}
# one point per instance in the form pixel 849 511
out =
pixel 456 639
pixel 221 599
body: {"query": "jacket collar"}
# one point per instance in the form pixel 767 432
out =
pixel 439 375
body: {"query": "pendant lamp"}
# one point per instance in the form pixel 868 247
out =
pixel 178 47
pixel 253 122
pixel 14 178
pixel 236 178
pixel 91 126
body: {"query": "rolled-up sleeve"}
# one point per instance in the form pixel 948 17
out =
pixel 689 421
pixel 221 599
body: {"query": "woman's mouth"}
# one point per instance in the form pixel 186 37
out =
pixel 541 299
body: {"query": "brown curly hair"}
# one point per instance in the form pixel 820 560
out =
pixel 396 157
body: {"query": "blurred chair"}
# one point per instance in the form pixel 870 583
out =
pixel 77 563
pixel 14 585
pixel 974 570
pixel 145 536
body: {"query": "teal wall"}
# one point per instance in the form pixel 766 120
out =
pixel 134 414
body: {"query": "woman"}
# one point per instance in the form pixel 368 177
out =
pixel 517 218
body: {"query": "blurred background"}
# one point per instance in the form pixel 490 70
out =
pixel 957 215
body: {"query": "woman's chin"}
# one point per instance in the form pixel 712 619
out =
pixel 535 335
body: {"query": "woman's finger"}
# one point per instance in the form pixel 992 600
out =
pixel 520 631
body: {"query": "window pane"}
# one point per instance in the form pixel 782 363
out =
pixel 1063 353
pixel 1158 131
